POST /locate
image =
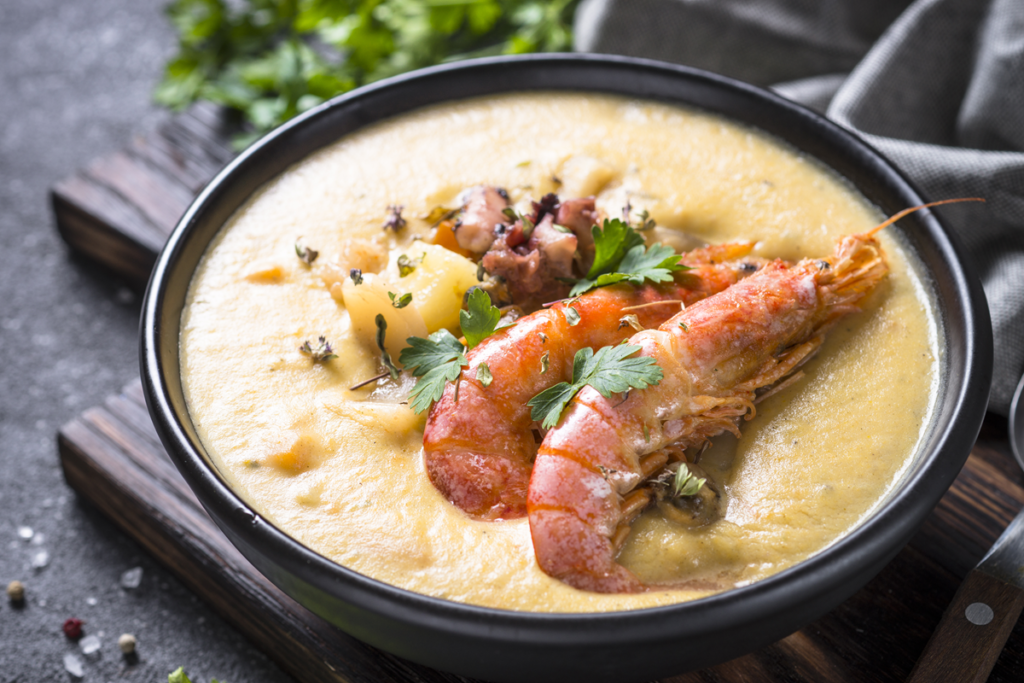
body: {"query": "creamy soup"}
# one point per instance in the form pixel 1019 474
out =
pixel 342 470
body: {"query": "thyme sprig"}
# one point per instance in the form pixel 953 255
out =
pixel 321 353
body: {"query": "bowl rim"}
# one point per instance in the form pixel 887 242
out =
pixel 880 535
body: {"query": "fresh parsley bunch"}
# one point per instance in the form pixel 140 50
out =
pixel 273 59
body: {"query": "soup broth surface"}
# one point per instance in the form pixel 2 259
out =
pixel 342 471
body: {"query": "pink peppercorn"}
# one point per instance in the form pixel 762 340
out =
pixel 73 628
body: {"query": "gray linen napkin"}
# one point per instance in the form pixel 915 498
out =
pixel 936 85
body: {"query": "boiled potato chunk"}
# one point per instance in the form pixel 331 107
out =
pixel 438 283
pixel 365 300
pixel 584 176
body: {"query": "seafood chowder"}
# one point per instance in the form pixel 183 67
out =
pixel 560 353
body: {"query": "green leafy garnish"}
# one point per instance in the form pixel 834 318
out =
pixel 619 255
pixel 480 318
pixel 436 360
pixel 439 358
pixel 685 484
pixel 305 254
pixel 385 357
pixel 405 265
pixel 273 59
pixel 609 371
pixel 400 301
pixel 356 275
pixel 483 375
pixel 178 676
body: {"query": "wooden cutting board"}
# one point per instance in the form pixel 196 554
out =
pixel 120 209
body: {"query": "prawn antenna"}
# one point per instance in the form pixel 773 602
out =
pixel 912 209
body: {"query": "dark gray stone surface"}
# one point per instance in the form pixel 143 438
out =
pixel 75 83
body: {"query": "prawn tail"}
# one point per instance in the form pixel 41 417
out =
pixel 573 514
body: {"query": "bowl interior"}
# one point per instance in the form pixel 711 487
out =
pixel 511 645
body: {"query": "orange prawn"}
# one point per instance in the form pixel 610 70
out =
pixel 478 442
pixel 715 355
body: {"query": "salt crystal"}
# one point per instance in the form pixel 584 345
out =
pixel 89 644
pixel 47 502
pixel 40 559
pixel 38 539
pixel 131 578
pixel 25 532
pixel 91 602
pixel 73 665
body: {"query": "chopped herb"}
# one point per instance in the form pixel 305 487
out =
pixel 631 320
pixel 305 254
pixel 436 360
pixel 561 228
pixel 644 221
pixel 439 214
pixel 356 275
pixel 483 375
pixel 385 357
pixel 400 301
pixel 619 255
pixel 543 337
pixel 647 434
pixel 514 216
pixel 545 362
pixel 609 371
pixel 572 316
pixel 321 353
pixel 480 318
pixel 394 221
pixel 685 484
pixel 522 164
pixel 406 265
pixel 685 328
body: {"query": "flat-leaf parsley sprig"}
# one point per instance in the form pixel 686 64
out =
pixel 439 358
pixel 619 255
pixel 610 371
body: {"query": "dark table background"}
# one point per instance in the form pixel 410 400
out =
pixel 76 78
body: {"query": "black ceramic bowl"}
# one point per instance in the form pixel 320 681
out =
pixel 621 646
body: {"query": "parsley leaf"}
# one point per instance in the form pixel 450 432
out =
pixel 619 255
pixel 610 371
pixel 436 360
pixel 424 354
pixel 684 483
pixel 611 245
pixel 480 318
pixel 439 358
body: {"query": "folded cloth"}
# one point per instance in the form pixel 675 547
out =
pixel 936 85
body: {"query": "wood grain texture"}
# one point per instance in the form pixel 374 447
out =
pixel 965 647
pixel 112 457
pixel 120 209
